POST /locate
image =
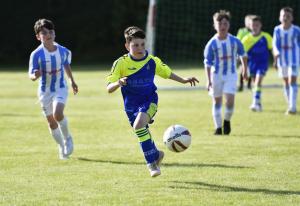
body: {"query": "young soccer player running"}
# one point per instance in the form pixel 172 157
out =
pixel 240 35
pixel 220 56
pixel 257 45
pixel 286 50
pixel 48 62
pixel 134 73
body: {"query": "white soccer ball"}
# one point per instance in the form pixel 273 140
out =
pixel 177 138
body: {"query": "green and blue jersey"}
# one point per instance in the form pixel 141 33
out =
pixel 140 73
pixel 257 48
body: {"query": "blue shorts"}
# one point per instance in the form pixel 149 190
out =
pixel 148 107
pixel 258 69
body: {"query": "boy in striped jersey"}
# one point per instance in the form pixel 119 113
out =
pixel 48 62
pixel 286 49
pixel 220 64
pixel 134 73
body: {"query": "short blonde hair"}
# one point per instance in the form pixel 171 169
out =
pixel 222 14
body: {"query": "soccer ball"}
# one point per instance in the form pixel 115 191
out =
pixel 177 138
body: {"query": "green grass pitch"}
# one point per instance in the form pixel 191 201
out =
pixel 258 164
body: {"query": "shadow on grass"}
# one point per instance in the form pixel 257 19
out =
pixel 281 111
pixel 17 115
pixel 266 135
pixel 165 164
pixel 223 188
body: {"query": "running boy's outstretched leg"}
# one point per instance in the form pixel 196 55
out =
pixel 152 156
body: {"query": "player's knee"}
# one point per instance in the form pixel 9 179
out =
pixel 58 116
pixel 137 126
pixel 52 125
pixel 229 104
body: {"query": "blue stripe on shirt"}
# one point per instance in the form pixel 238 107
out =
pixel 53 73
pixel 215 50
pixel 278 45
pixel 225 60
pixel 294 45
pixel 44 71
pixel 286 48
pixel 62 56
pixel 232 42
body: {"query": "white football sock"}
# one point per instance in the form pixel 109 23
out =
pixel 217 115
pixel 63 126
pixel 57 136
pixel 286 91
pixel 228 113
pixel 293 96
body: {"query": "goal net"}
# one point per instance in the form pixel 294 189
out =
pixel 177 30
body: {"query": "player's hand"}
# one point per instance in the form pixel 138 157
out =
pixel 37 74
pixel 208 86
pixel 275 64
pixel 75 88
pixel 191 80
pixel 122 81
pixel 245 76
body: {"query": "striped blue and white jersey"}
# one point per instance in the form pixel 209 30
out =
pixel 286 44
pixel 51 65
pixel 221 55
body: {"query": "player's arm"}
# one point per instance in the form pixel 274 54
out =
pixel 114 79
pixel 244 59
pixel 71 78
pixel 208 63
pixel 68 70
pixel 165 72
pixel 276 49
pixel 113 86
pixel 208 77
pixel 244 62
pixel 191 80
pixel 34 71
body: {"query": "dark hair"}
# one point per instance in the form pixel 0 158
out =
pixel 133 32
pixel 287 9
pixel 256 18
pixel 43 23
pixel 222 14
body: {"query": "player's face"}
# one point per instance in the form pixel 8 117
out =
pixel 222 26
pixel 285 17
pixel 255 27
pixel 46 36
pixel 136 48
pixel 247 22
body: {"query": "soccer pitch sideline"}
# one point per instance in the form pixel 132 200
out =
pixel 258 164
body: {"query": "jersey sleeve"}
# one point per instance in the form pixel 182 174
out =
pixel 162 69
pixel 33 63
pixel 240 33
pixel 276 42
pixel 68 58
pixel 240 48
pixel 115 74
pixel 208 55
pixel 298 36
pixel 269 40
pixel 246 41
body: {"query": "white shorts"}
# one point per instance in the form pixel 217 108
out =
pixel 288 71
pixel 223 85
pixel 49 100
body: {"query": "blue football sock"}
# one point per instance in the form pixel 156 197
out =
pixel 147 145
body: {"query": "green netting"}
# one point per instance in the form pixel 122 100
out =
pixel 183 27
